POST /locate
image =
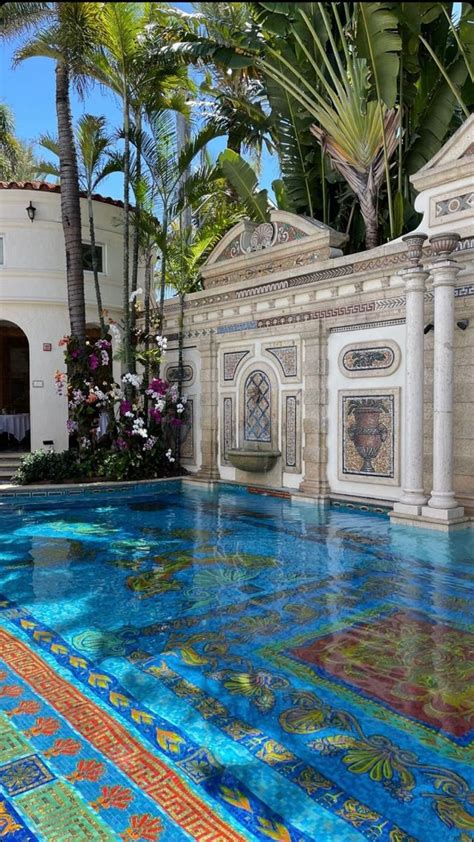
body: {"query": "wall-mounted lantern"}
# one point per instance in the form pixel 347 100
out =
pixel 31 211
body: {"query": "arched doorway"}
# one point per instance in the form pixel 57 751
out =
pixel 14 388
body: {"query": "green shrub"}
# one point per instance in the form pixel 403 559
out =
pixel 44 465
pixel 129 465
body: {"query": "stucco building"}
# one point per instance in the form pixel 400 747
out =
pixel 33 305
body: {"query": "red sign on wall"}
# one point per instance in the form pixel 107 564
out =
pixel 47 346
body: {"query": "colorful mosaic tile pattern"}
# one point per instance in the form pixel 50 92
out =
pixel 90 769
pixel 272 670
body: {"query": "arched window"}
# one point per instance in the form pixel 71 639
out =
pixel 258 408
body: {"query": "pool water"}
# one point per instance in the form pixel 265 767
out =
pixel 302 673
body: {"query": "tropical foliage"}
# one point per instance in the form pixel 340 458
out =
pixel 358 97
pixel 17 160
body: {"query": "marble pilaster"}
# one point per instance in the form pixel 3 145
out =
pixel 209 408
pixel 413 496
pixel 442 504
pixel 315 483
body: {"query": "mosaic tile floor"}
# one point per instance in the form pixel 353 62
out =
pixel 226 666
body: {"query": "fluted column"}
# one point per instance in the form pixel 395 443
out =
pixel 315 482
pixel 413 496
pixel 442 504
pixel 209 408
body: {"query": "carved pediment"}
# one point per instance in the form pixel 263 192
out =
pixel 247 238
pixel 257 237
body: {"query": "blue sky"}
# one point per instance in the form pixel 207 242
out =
pixel 29 90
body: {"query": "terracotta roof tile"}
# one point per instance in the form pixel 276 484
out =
pixel 48 187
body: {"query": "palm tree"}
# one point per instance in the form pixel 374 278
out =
pixel 167 167
pixel 95 164
pixel 120 65
pixel 17 162
pixel 64 32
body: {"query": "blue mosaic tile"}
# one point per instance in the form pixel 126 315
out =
pixel 23 775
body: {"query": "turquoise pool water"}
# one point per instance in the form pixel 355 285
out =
pixel 317 661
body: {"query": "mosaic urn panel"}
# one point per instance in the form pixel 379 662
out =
pixel 368 436
pixel 369 359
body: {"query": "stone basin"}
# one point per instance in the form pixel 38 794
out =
pixel 253 461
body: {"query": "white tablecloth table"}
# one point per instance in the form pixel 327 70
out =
pixel 15 425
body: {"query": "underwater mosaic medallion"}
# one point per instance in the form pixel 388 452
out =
pixel 391 659
pixel 368 435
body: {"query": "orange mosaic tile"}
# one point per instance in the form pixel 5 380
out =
pixel 107 735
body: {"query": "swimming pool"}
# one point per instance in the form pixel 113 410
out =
pixel 222 665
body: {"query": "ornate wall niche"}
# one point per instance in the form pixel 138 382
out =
pixel 231 361
pixel 287 355
pixel 187 432
pixel 369 359
pixel 227 426
pixel 258 416
pixel 368 436
pixel 291 447
pixel 172 373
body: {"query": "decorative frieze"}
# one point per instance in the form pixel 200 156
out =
pixel 369 359
pixel 368 432
pixel 379 305
pixel 366 325
pixel 231 362
pixel 312 277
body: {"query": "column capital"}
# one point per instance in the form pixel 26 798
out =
pixel 444 272
pixel 414 278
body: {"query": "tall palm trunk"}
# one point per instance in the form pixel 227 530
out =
pixel 161 308
pixel 180 371
pixel 95 268
pixel 70 206
pixel 126 235
pixel 147 320
pixel 136 227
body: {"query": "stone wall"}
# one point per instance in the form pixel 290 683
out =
pixel 283 300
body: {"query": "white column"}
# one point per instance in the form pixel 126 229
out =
pixel 442 504
pixel 413 496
